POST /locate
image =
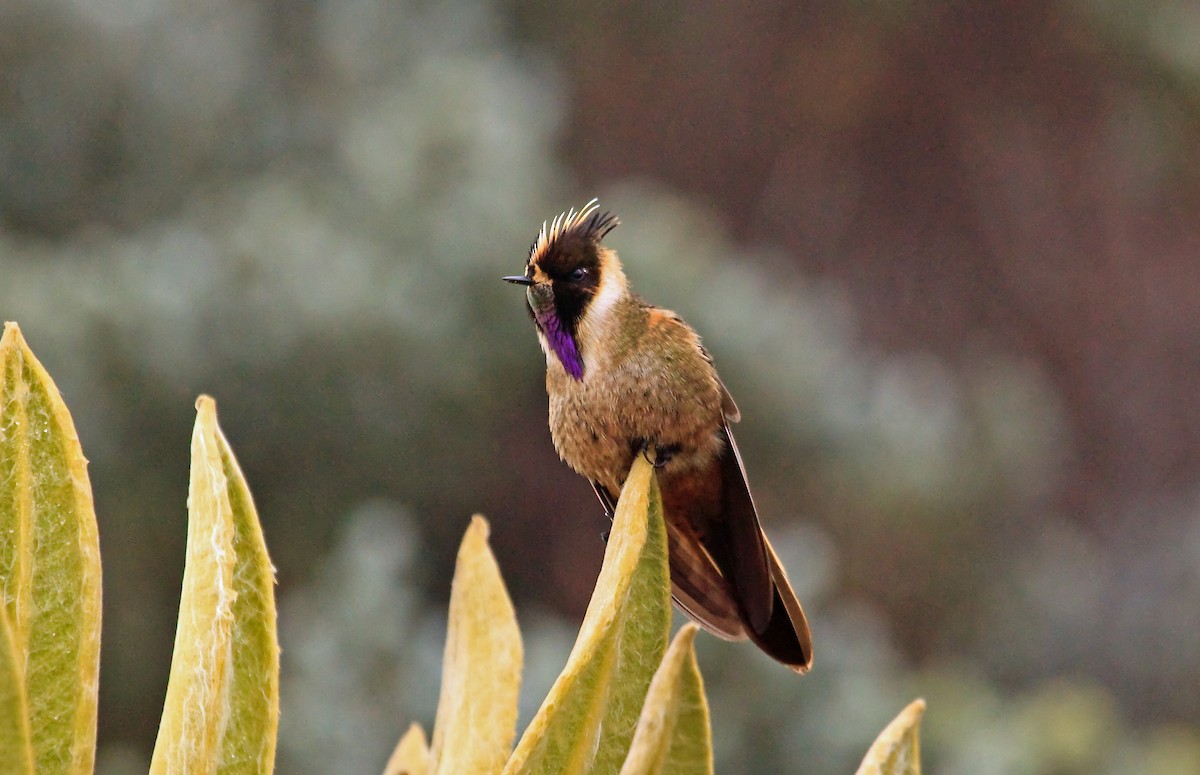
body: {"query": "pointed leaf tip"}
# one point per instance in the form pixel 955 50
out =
pixel 222 700
pixel 587 721
pixel 481 671
pixel 13 337
pixel 673 733
pixel 478 529
pixel 411 756
pixel 50 577
pixel 897 750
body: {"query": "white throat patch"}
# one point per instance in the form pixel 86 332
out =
pixel 610 290
pixel 598 319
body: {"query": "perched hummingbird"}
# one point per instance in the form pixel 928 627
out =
pixel 625 378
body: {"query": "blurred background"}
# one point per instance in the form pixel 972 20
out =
pixel 945 256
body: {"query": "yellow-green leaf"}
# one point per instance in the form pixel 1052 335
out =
pixel 481 671
pixel 222 708
pixel 49 562
pixel 897 750
pixel 673 735
pixel 411 756
pixel 586 723
pixel 16 750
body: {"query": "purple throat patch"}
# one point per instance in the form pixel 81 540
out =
pixel 561 342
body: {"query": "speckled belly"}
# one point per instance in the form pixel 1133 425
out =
pixel 597 425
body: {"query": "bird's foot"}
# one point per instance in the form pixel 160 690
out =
pixel 662 452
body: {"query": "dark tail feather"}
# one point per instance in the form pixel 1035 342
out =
pixel 730 580
pixel 699 588
pixel 786 638
pixel 736 540
pixel 773 616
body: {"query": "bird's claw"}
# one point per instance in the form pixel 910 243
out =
pixel 662 452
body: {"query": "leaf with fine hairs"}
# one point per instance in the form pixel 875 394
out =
pixel 673 735
pixel 222 708
pixel 481 670
pixel 586 723
pixel 49 570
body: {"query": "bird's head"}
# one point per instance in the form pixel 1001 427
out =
pixel 570 276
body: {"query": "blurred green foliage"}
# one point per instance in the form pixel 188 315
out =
pixel 304 207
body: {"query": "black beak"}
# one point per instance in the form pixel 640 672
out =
pixel 519 279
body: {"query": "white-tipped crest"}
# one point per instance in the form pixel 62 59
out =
pixel 562 223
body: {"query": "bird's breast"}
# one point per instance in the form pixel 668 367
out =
pixel 597 422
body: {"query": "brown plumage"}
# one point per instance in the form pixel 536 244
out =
pixel 624 376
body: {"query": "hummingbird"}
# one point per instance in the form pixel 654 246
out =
pixel 626 378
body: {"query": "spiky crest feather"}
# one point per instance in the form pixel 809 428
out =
pixel 589 223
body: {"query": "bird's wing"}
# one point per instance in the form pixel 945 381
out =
pixel 786 637
pixel 729 407
pixel 606 499
pixel 736 540
pixel 773 615
pixel 697 585
pixel 699 588
pixel 731 581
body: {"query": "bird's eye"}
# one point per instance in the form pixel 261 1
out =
pixel 578 274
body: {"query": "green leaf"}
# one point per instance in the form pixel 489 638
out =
pixel 897 750
pixel 673 735
pixel 411 756
pixel 586 723
pixel 16 749
pixel 49 565
pixel 222 708
pixel 481 671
